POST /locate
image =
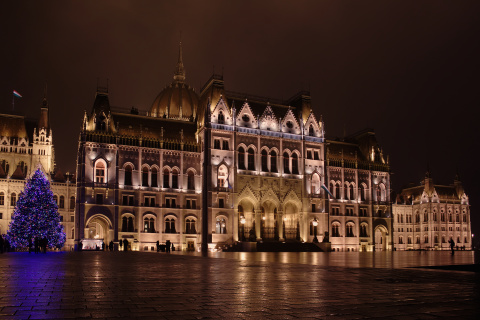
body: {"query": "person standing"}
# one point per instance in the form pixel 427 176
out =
pixel 452 246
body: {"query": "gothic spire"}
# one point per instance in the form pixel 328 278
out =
pixel 179 70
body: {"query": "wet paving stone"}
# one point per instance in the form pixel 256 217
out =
pixel 111 285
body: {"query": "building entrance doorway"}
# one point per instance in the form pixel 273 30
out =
pixel 380 238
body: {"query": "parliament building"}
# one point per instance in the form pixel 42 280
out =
pixel 249 170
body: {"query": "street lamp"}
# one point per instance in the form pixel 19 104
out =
pixel 315 224
pixel 242 222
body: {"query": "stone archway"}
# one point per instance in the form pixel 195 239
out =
pixel 380 238
pixel 97 228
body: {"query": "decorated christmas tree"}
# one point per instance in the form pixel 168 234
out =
pixel 36 215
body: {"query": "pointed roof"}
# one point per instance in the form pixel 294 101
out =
pixel 179 70
pixel 2 172
pixel 43 120
pixel 18 174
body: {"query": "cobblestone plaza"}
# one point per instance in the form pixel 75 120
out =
pixel 107 285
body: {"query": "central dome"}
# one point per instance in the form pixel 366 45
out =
pixel 178 100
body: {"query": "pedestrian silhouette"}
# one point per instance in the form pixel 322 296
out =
pixel 452 246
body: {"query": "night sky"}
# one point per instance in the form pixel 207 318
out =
pixel 408 69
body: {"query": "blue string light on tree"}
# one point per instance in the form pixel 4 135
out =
pixel 36 215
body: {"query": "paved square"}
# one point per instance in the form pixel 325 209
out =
pixel 130 285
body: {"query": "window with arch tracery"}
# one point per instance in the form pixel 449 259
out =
pixel 190 226
pixel 335 230
pixel 62 202
pixel 154 181
pixel 149 225
pixel 145 177
pixel 294 163
pixel 190 180
pixel 273 161
pixel 100 176
pixel 128 175
pixel 127 224
pixel 2 199
pixel 55 198
pixel 175 179
pixel 264 160
pixel 311 131
pixel 286 163
pixel 166 178
pixel 251 159
pixel 221 226
pixel 363 230
pixel 241 158
pixel 170 225
pixel 349 230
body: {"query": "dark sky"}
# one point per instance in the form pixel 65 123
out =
pixel 408 69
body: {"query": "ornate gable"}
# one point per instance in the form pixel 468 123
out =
pixel 247 193
pixel 268 121
pixel 290 124
pixel 246 118
pixel 317 129
pixel 221 109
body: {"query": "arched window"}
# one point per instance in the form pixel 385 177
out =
pixel 241 158
pixel 2 199
pixel 55 198
pixel 400 240
pixel 190 180
pixel 337 191
pixel 264 160
pixel 166 178
pixel 251 159
pixel 124 224
pixel 221 118
pixel 352 191
pixel 313 229
pixel 62 202
pixel 128 175
pixel 335 230
pixel 72 203
pixel 286 163
pixel 346 190
pixel 363 230
pixel 363 192
pixel 425 216
pixel 145 177
pixel 457 218
pixel 149 225
pixel 100 173
pixel 294 163
pixel 222 177
pixel 273 161
pixel 349 230
pixel 190 226
pixel 170 225
pixel 221 226
pixel 311 131
pixel 409 240
pixel 315 188
pixel 175 179
pixel 417 217
pixel 127 224
pixel 154 178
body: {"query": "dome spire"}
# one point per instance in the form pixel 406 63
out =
pixel 179 70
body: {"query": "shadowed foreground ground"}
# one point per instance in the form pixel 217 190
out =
pixel 237 285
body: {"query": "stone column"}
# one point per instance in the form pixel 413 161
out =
pixel 258 223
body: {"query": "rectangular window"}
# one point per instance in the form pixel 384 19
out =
pixel 61 218
pixel 188 205
pixel 131 200
pixel 317 155
pixel 167 202
pixel 309 154
pixel 99 198
pixel 216 144
pixel 1 215
pixel 225 145
pixel 194 204
pixel 173 203
pixel 147 201
pixel 72 218
pixel 125 200
pixel 313 207
pixel 221 203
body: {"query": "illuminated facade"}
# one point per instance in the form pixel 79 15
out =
pixel 429 215
pixel 24 146
pixel 140 176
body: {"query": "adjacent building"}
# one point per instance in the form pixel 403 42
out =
pixel 428 216
pixel 26 145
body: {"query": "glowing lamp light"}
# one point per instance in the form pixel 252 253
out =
pixel 242 220
pixel 315 222
pixel 264 218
